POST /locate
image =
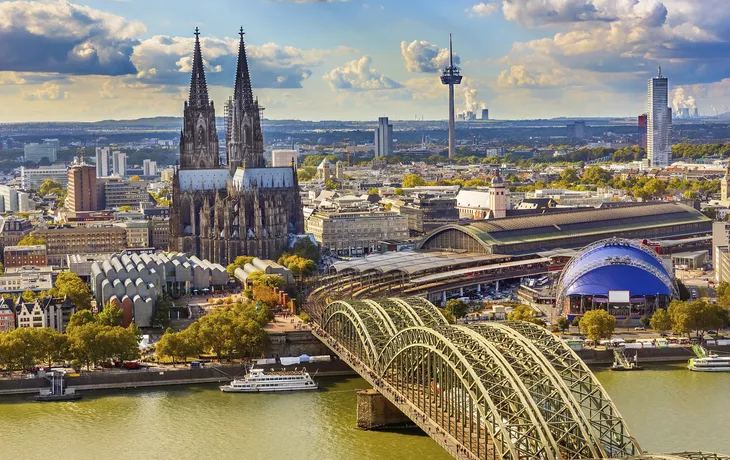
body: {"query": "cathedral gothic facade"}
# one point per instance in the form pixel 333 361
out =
pixel 241 208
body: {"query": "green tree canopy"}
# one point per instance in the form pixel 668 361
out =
pixel 661 321
pixel 111 315
pixel 457 308
pixel 413 180
pixel 51 187
pixel 597 325
pixel 525 313
pixel 239 262
pixel 31 240
pixel 697 316
pixel 69 284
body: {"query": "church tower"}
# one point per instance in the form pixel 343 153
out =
pixel 199 139
pixel 244 136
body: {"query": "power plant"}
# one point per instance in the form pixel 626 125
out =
pixel 451 76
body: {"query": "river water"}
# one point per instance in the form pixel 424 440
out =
pixel 668 408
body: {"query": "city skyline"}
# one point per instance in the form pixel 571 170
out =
pixel 94 59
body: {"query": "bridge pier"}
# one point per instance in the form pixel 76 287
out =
pixel 374 411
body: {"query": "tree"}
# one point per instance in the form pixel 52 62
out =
pixel 28 295
pixel 258 277
pixel 525 313
pixel 53 346
pixel 266 295
pixel 307 249
pixel 696 316
pixel 645 321
pixel 50 187
pixel 31 240
pixel 569 176
pixel 2 269
pixel 373 191
pixel 576 321
pixel 626 322
pixel 239 262
pixel 413 180
pixel 111 315
pixel 399 192
pixel 135 179
pixel 597 325
pixel 332 185
pixel 69 284
pixel 79 319
pixel 661 321
pixel 722 288
pixel 457 308
pixel 563 323
pixel 125 208
pixel 172 345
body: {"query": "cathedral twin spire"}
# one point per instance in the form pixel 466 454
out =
pixel 244 136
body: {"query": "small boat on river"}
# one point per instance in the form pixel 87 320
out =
pixel 260 381
pixel 57 392
pixel 622 363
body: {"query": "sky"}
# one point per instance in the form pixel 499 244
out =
pixel 88 60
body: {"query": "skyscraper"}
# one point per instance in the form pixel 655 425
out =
pixel 642 131
pixel 119 164
pixel 149 168
pixel 659 122
pixel 102 161
pixel 82 193
pixel 383 138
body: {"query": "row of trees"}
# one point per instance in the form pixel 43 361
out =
pixel 89 340
pixel 233 332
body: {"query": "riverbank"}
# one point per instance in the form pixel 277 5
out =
pixel 119 379
pixel 647 355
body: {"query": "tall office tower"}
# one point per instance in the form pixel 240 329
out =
pixel 451 76
pixel 102 161
pixel 82 192
pixel 149 168
pixel 485 114
pixel 383 138
pixel 119 164
pixel 642 131
pixel 659 122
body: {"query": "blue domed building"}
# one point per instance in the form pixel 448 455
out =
pixel 620 276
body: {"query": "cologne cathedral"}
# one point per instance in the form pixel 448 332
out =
pixel 240 208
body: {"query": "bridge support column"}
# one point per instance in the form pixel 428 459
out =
pixel 479 288
pixel 461 292
pixel 443 298
pixel 496 285
pixel 374 411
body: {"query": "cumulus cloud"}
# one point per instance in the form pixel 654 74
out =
pixel 422 56
pixel 163 59
pixel 483 9
pixel 358 75
pixel 59 36
pixel 624 37
pixel 48 92
pixel 520 77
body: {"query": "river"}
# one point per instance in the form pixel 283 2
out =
pixel 667 408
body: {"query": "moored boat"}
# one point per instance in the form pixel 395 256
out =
pixel 710 363
pixel 260 381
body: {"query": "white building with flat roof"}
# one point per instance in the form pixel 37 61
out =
pixel 284 157
pixel 103 155
pixel 32 178
pixel 119 164
pixel 35 152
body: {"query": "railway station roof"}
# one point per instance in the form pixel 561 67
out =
pixel 409 262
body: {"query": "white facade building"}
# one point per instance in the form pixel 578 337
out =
pixel 35 152
pixel 32 178
pixel 383 138
pixel 103 155
pixel 14 200
pixel 119 164
pixel 284 157
pixel 149 168
pixel 659 123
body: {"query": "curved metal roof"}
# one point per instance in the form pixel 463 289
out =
pixel 615 265
pixel 599 281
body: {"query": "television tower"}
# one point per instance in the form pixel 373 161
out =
pixel 451 76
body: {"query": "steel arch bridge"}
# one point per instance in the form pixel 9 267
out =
pixel 508 390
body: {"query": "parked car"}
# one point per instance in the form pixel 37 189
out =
pixel 639 328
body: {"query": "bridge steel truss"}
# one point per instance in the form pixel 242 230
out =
pixel 502 390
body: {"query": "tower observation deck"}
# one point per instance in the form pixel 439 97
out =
pixel 451 76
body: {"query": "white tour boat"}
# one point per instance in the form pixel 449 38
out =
pixel 707 361
pixel 259 381
pixel 710 363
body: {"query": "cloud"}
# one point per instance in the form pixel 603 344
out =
pixel 167 60
pixel 422 56
pixel 59 36
pixel 483 9
pixel 358 75
pixel 48 92
pixel 518 76
pixel 622 41
pixel 309 1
